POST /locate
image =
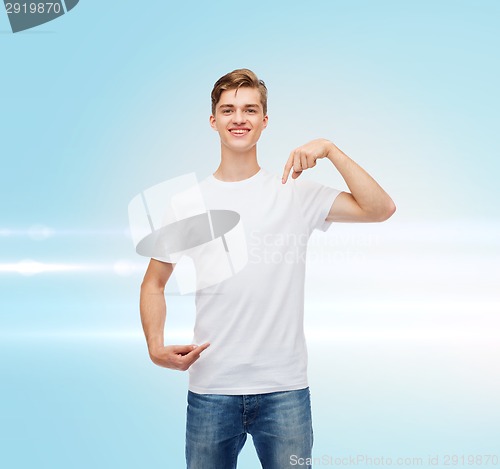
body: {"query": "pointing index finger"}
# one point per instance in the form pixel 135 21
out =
pixel 192 356
pixel 288 168
pixel 200 348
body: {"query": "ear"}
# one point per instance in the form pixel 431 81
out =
pixel 213 122
pixel 266 119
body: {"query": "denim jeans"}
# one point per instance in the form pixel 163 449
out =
pixel 279 422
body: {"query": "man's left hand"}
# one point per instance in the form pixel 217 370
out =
pixel 305 156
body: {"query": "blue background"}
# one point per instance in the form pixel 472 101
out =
pixel 402 318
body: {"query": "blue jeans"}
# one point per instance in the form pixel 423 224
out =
pixel 279 422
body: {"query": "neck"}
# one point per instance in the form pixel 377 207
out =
pixel 237 166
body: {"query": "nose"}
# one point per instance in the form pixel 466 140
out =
pixel 239 116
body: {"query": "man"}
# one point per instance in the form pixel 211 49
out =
pixel 251 377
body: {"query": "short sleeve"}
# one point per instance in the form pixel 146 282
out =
pixel 315 201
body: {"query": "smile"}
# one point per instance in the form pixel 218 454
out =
pixel 239 132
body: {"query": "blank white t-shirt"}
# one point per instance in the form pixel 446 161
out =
pixel 254 319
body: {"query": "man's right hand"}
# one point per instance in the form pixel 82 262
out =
pixel 177 357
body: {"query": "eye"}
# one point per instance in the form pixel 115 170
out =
pixel 226 111
pixel 251 111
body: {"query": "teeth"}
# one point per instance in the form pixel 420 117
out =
pixel 239 131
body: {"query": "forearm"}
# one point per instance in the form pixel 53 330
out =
pixel 368 194
pixel 153 315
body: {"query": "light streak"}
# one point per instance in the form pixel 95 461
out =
pixel 29 267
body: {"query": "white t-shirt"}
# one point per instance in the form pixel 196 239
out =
pixel 254 319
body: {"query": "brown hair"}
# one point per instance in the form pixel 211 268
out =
pixel 236 79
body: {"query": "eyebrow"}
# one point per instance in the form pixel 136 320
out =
pixel 232 105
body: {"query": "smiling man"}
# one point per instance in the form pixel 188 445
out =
pixel 252 375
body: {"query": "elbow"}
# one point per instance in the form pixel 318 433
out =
pixel 149 286
pixel 387 212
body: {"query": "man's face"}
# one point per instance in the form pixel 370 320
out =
pixel 239 118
